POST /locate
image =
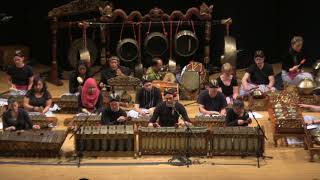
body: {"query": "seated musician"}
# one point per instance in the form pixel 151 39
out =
pixel 228 83
pixel 16 118
pixel 113 70
pixel 82 71
pixel 236 116
pixel 292 72
pixel 315 108
pixel 258 75
pixel 147 98
pixel 90 98
pixel 153 72
pixel 38 98
pixel 212 101
pixel 113 114
pixel 20 75
pixel 169 112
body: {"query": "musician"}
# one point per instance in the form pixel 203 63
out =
pixel 90 98
pixel 38 98
pixel 153 72
pixel 212 101
pixel 16 118
pixel 112 71
pixel 147 98
pixel 113 114
pixel 292 72
pixel 259 75
pixel 20 75
pixel 83 71
pixel 315 108
pixel 228 83
pixel 236 116
pixel 169 112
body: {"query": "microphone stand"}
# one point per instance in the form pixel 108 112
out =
pixel 184 159
pixel 259 149
pixel 79 152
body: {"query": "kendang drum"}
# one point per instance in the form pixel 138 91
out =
pixel 193 76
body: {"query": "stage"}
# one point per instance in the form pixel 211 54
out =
pixel 288 162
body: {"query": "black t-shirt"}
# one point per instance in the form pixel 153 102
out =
pixel 232 118
pixel 216 103
pixel 20 76
pixel 169 116
pixel 39 102
pixel 227 90
pixel 22 122
pixel 148 99
pixel 108 73
pixel 292 58
pixel 260 76
pixel 110 117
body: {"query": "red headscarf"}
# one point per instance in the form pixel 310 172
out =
pixel 89 101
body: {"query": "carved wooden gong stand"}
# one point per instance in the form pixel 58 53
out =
pixel 103 12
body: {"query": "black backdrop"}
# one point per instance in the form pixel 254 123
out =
pixel 262 24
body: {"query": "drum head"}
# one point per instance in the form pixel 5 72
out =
pixel 190 80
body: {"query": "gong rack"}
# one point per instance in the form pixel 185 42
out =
pixel 104 18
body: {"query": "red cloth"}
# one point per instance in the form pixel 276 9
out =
pixel 89 101
pixel 24 87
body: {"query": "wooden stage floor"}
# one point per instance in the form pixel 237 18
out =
pixel 287 163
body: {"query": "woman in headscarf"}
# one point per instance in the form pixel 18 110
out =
pixel 90 98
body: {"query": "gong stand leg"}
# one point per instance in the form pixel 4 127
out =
pixel 103 44
pixel 53 77
pixel 207 38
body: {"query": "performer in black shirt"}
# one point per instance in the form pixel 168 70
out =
pixel 259 75
pixel 38 98
pixel 292 64
pixel 169 112
pixel 113 70
pixel 147 98
pixel 16 118
pixel 113 114
pixel 228 83
pixel 236 116
pixel 82 71
pixel 211 101
pixel 20 75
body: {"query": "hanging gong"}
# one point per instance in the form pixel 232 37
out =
pixel 127 49
pixel 230 51
pixel 156 44
pixel 186 43
pixel 76 52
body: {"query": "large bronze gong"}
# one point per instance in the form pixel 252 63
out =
pixel 127 49
pixel 230 51
pixel 156 44
pixel 186 43
pixel 76 51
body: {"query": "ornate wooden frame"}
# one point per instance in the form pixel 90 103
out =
pixel 107 14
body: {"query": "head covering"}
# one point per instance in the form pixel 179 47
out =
pixel 89 101
pixel 259 53
pixel 170 91
pixel 114 98
pixel 18 53
pixel 144 81
pixel 213 84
